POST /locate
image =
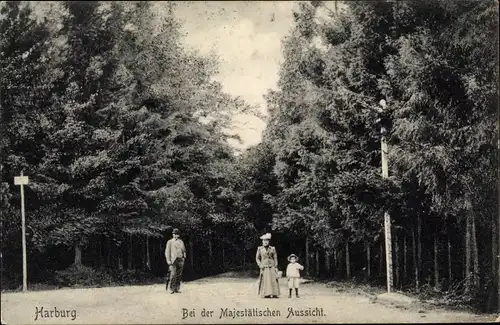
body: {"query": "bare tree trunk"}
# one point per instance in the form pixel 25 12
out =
pixel 110 251
pixel 397 281
pixel 450 275
pixel 162 250
pixel 347 261
pixel 419 241
pixel 405 261
pixel 475 255
pixel 436 263
pixel 381 260
pixel 119 254
pixel 419 247
pixel 415 259
pixel 78 255
pixel 143 245
pixel 223 256
pixel 368 261
pixel 210 251
pixel 335 262
pixel 191 253
pixel 467 254
pixel 317 261
pixel 101 251
pixel 148 257
pixel 307 256
pixel 130 252
pixel 327 262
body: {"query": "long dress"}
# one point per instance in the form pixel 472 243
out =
pixel 267 259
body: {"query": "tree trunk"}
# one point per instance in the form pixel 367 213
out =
pixel 347 261
pixel 450 275
pixel 368 261
pixel 78 255
pixel 119 255
pixel 415 259
pixel 317 261
pixel 101 251
pixel 467 254
pixel 307 256
pixel 142 245
pixel 436 263
pixel 162 250
pixel 148 257
pixel 335 262
pixel 475 255
pixel 223 257
pixel 405 261
pixel 130 253
pixel 381 260
pixel 335 258
pixel 419 242
pixel 191 253
pixel 397 282
pixel 210 251
pixel 110 252
pixel 327 262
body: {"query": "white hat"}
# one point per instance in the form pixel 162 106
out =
pixel 266 236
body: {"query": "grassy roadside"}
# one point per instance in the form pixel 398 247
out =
pixel 426 299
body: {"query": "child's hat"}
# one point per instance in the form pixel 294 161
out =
pixel 293 255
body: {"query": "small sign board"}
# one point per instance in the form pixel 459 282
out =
pixel 20 180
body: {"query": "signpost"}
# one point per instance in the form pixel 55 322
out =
pixel 387 217
pixel 21 181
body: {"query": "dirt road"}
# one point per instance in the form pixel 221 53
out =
pixel 209 300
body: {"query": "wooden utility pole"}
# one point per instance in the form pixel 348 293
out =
pixel 387 217
pixel 21 181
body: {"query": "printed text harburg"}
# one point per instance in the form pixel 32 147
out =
pixel 55 312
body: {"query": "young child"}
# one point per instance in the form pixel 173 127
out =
pixel 293 274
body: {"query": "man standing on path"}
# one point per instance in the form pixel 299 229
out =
pixel 175 253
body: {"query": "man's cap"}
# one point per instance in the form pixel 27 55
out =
pixel 175 231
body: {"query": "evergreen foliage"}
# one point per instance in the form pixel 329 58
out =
pixel 123 132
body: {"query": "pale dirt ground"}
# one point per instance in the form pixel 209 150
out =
pixel 154 305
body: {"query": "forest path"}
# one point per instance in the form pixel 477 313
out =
pixel 152 304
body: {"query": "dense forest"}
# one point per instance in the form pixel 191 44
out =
pixel 123 134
